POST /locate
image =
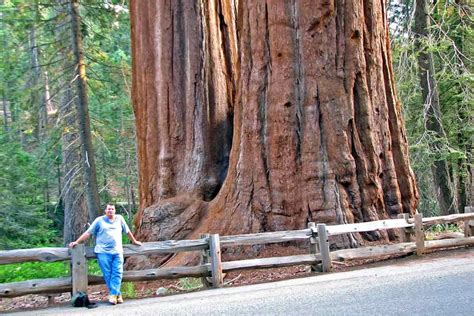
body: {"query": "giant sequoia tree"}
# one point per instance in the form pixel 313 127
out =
pixel 264 115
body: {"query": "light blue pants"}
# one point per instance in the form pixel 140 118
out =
pixel 112 269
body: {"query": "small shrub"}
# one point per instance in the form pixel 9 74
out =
pixel 33 270
pixel 190 284
pixel 17 272
pixel 128 290
pixel 437 229
pixel 93 267
pixel 148 292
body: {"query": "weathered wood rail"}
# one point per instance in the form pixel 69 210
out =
pixel 211 266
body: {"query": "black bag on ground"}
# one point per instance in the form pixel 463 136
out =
pixel 80 299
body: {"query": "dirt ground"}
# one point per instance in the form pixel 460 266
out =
pixel 169 287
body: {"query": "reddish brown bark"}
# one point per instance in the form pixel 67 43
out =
pixel 184 59
pixel 317 128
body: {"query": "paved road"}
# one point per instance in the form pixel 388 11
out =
pixel 428 286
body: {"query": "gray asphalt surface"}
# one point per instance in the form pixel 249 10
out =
pixel 428 286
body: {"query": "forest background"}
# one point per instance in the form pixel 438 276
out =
pixel 42 165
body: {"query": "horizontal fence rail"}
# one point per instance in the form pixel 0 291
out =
pixel 212 268
pixel 265 238
pixel 41 286
pixel 160 247
pixel 37 254
pixel 63 254
pixel 448 219
pixel 274 262
pixel 367 226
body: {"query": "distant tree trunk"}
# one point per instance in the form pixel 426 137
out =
pixel 5 104
pixel 105 192
pixel 464 165
pixel 70 180
pixel 36 100
pixel 37 81
pixel 442 180
pixel 45 105
pixel 72 190
pixel 305 96
pixel 88 159
pixel 127 186
pixel 465 135
pixel 5 113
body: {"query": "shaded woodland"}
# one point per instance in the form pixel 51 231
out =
pixel 231 116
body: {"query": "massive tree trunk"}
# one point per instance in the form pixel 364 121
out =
pixel 184 57
pixel 442 180
pixel 304 92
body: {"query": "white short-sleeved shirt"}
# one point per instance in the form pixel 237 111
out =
pixel 108 234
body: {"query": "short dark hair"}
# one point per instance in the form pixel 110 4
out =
pixel 109 204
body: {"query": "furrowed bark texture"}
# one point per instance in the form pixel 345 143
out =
pixel 317 127
pixel 185 55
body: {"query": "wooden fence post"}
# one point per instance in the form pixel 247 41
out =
pixel 419 234
pixel 204 260
pixel 216 263
pixel 468 224
pixel 405 233
pixel 79 269
pixel 313 244
pixel 324 247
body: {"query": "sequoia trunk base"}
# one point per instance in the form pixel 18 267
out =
pixel 295 121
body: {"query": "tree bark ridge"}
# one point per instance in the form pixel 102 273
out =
pixel 317 133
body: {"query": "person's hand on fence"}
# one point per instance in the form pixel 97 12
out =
pixel 73 244
pixel 138 243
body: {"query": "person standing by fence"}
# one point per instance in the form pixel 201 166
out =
pixel 108 230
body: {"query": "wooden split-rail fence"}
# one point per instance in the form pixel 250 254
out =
pixel 212 268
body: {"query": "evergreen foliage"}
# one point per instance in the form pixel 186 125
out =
pixel 31 184
pixel 451 43
pixel 23 219
pixel 41 270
